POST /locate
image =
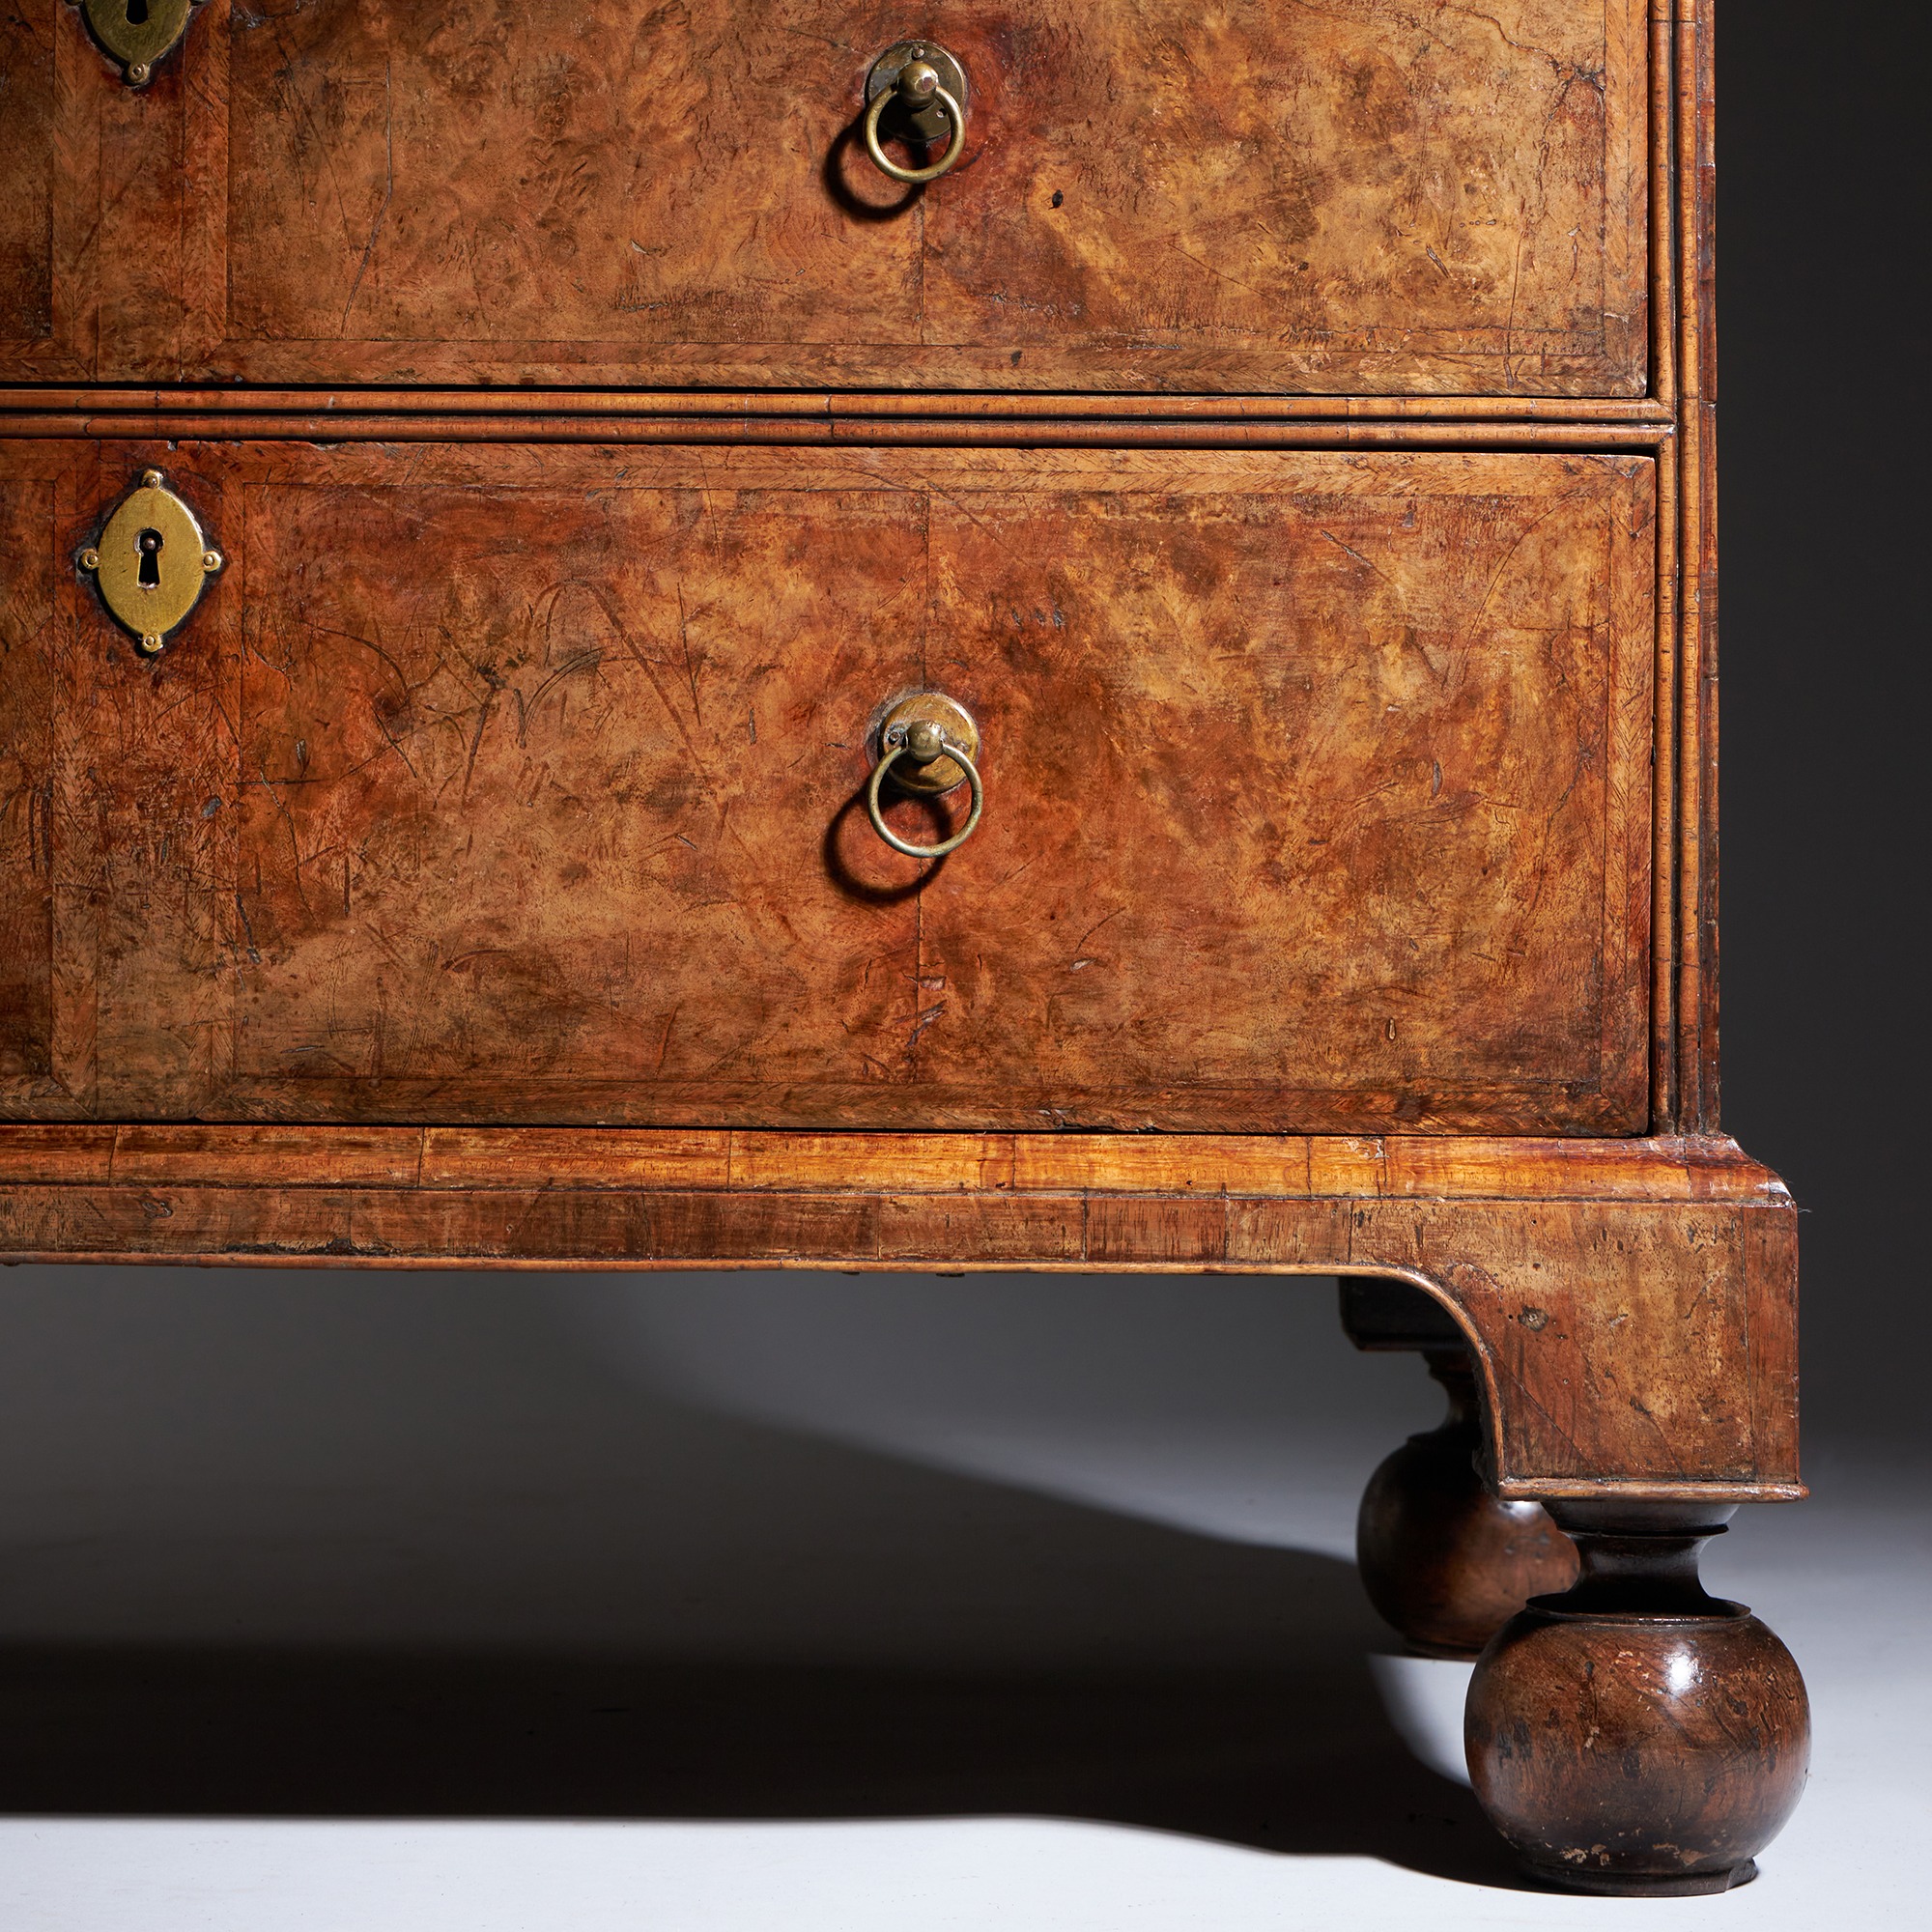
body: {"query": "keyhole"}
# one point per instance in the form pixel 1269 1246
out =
pixel 150 542
pixel 137 16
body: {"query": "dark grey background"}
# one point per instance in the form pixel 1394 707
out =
pixel 1822 249
pixel 801 1498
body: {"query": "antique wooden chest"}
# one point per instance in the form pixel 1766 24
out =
pixel 990 637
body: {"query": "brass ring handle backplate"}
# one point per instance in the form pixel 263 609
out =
pixel 928 745
pixel 923 89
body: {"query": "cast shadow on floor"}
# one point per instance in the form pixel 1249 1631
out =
pixel 1300 1758
pixel 472 1570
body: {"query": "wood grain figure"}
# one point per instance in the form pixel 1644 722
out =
pixel 1286 435
pixel 566 827
pixel 1370 198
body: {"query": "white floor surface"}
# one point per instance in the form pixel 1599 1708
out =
pixel 1845 1587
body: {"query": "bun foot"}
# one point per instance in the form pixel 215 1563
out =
pixel 1441 1558
pixel 1635 1735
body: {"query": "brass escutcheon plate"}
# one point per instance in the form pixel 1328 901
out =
pixel 150 562
pixel 955 726
pixel 137 33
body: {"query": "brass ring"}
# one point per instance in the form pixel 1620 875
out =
pixel 892 837
pixel 954 147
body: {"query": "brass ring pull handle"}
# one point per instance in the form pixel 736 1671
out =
pixel 925 88
pixel 928 744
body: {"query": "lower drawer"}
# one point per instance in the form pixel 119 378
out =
pixel 525 784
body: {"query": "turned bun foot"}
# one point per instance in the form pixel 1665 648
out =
pixel 1441 1558
pixel 1635 1735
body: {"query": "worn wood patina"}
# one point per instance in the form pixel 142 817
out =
pixel 565 827
pixel 1286 432
pixel 1370 197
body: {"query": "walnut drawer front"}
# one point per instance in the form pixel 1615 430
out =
pixel 492 783
pixel 1366 197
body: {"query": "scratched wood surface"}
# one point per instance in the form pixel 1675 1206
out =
pixel 27 174
pixel 521 783
pixel 1371 196
pixel 26 786
pixel 1631 1304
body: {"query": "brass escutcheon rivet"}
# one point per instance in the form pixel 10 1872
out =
pixel 211 559
pixel 90 560
pixel 138 73
pixel 150 645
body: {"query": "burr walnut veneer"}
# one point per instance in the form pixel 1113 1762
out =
pixel 1271 453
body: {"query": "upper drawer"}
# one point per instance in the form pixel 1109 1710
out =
pixel 1363 197
pixel 528 785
